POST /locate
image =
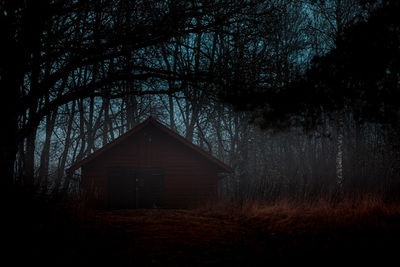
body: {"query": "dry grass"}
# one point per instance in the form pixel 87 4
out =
pixel 364 229
pixel 288 210
pixel 250 233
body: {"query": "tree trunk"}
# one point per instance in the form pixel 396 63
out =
pixel 218 126
pixel 19 164
pixel 131 111
pixel 171 113
pixel 81 110
pixel 11 80
pixel 45 155
pixel 29 161
pixel 8 147
pixel 339 154
pixel 191 125
pixel 63 158
pixel 91 133
pixel 106 121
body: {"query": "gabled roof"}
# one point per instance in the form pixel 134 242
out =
pixel 163 128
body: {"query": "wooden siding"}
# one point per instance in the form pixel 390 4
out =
pixel 189 178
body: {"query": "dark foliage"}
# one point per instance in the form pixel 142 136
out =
pixel 58 51
pixel 361 75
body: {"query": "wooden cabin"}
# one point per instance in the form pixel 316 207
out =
pixel 150 166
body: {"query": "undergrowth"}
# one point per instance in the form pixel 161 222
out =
pixel 284 231
pixel 287 212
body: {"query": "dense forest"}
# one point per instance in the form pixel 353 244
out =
pixel 299 97
pixel 251 82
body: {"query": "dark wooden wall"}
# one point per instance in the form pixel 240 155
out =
pixel 189 178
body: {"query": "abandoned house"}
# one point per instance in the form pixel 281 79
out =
pixel 150 166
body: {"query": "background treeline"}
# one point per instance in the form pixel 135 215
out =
pixel 266 165
pixel 180 79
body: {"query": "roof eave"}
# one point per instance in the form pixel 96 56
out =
pixel 220 164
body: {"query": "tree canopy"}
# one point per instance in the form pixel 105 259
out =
pixel 56 52
pixel 252 54
pixel 360 75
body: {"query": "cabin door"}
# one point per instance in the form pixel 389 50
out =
pixel 122 187
pixel 150 188
pixel 133 187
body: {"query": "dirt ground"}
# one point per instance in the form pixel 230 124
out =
pixel 179 237
pixel 191 238
pixel 283 236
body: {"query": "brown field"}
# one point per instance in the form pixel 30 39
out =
pixel 284 233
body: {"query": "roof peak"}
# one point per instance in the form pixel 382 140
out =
pixel 151 118
pixel 160 126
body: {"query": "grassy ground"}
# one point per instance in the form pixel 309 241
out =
pixel 319 233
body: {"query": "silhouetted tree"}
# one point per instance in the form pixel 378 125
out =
pixel 360 75
pixel 80 36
